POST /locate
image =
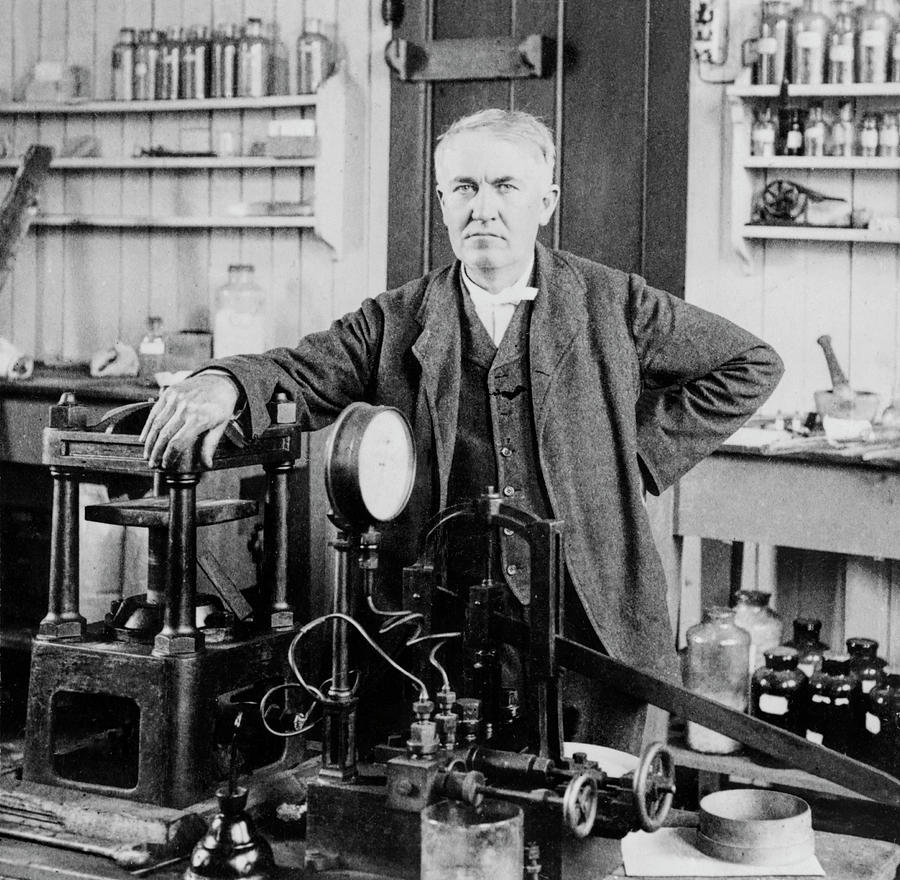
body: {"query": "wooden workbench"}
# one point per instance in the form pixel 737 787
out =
pixel 842 857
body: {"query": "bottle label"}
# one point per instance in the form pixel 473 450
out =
pixel 841 701
pixel 873 723
pixel 841 54
pixel 872 39
pixel 767 45
pixel 814 736
pixel 772 704
pixel 866 684
pixel 794 140
pixel 821 698
pixel 868 138
pixel 807 668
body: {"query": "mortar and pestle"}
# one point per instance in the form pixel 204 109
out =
pixel 842 402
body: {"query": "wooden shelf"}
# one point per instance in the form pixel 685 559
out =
pixel 270 102
pixel 120 222
pixel 820 233
pixel 854 90
pixel 166 163
pixel 816 163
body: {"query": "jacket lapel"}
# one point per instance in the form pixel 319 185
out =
pixel 558 316
pixel 438 351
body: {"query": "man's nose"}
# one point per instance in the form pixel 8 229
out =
pixel 484 204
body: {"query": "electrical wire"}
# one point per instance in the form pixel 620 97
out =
pixel 305 723
pixel 399 618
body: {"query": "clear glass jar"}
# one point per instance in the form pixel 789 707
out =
pixel 253 61
pixel 814 138
pixel 315 57
pixel 778 690
pixel 223 51
pixel 752 613
pixel 875 25
pixel 717 667
pixel 239 326
pixel 123 66
pixel 808 644
pixel 842 45
pixel 773 44
pixel 762 135
pixel 151 350
pixel 868 136
pixel 146 65
pixel 809 31
pixel 170 64
pixel 831 707
pixel 843 132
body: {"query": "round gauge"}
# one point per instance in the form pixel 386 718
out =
pixel 370 465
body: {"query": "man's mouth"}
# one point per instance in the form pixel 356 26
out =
pixel 481 235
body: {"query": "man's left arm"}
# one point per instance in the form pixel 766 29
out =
pixel 702 378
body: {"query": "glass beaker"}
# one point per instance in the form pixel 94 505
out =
pixel 239 326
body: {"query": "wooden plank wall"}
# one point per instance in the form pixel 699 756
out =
pixel 76 291
pixel 794 292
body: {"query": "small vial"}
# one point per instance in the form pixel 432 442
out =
pixel 888 136
pixel 843 132
pixel 868 136
pixel 763 134
pixel 793 143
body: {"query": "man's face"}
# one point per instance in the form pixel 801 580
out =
pixel 495 194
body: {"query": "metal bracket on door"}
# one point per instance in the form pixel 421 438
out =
pixel 471 58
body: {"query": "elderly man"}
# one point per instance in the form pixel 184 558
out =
pixel 571 386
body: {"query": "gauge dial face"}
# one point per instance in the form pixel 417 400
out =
pixel 370 465
pixel 386 465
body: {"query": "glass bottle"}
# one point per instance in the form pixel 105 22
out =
pixel 151 349
pixel 841 48
pixel 253 61
pixel 762 135
pixel 873 33
pixel 170 65
pixel 810 648
pixel 868 136
pixel 123 66
pixel 778 690
pixel 793 141
pixel 865 663
pixel 239 325
pixel 843 132
pixel 888 136
pixel 146 65
pixel 315 57
pixel 188 83
pixel 881 736
pixel 717 667
pixel 831 705
pixel 809 31
pixel 895 55
pixel 752 613
pixel 814 134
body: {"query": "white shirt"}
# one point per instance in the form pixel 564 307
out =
pixel 496 309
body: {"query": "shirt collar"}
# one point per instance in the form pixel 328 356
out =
pixel 507 296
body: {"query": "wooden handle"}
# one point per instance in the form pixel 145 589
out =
pixel 838 378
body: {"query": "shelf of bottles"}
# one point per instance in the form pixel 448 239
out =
pixel 98 221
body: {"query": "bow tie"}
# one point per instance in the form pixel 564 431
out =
pixel 509 296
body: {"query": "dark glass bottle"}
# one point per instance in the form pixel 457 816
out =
pixel 808 644
pixel 831 705
pixel 778 690
pixel 881 736
pixel 865 663
pixel 793 141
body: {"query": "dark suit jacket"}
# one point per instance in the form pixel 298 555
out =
pixel 631 387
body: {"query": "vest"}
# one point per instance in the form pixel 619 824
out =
pixel 496 443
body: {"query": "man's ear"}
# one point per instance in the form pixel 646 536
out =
pixel 549 201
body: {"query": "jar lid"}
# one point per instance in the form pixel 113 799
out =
pixel 718 612
pixel 858 646
pixel 836 664
pixel 781 657
pixel 808 625
pixel 753 597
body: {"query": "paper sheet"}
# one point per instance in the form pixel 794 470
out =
pixel 671 852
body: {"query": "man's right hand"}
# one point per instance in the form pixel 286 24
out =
pixel 199 406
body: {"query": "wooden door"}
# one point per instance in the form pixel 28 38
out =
pixel 618 100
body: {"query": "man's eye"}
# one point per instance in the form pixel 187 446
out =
pixel 463 188
pixel 505 187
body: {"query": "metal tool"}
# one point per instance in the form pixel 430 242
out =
pixel 842 401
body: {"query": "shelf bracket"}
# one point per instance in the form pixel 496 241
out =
pixel 471 58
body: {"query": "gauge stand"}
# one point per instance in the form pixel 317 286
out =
pixel 339 737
